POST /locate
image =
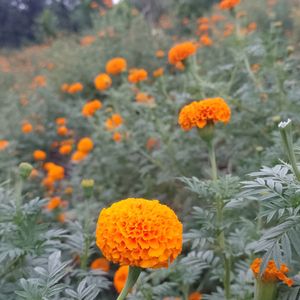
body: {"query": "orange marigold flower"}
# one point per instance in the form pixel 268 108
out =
pixel 62 131
pixel 117 137
pixel 102 82
pixel 271 273
pixel 120 278
pixel 228 4
pixel 39 155
pixel 90 108
pixel 3 144
pixel 87 40
pixel 26 127
pixel 160 54
pixel 39 81
pixel 195 296
pixel 158 72
pixel 85 145
pixel 139 232
pixel 54 203
pixel 75 88
pixel 61 121
pixel 116 66
pixel 78 156
pixel 137 75
pixel 206 40
pixel 144 98
pixel 64 87
pixel 114 122
pixel 48 183
pixel 65 149
pixel 200 113
pixel 56 172
pixel 100 263
pixel 181 52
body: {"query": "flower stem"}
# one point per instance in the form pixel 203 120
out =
pixel 133 276
pixel 221 235
pixel 265 290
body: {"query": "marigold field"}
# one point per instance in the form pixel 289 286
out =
pixel 154 159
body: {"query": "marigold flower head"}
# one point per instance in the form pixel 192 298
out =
pixel 102 82
pixel 144 98
pixel 160 54
pixel 114 122
pixel 139 232
pixel 85 145
pixel 3 144
pixel 78 156
pixel 54 203
pixel 55 172
pixel 75 88
pixel 182 51
pixel 137 75
pixel 195 296
pixel 100 263
pixel 206 40
pixel 117 137
pixel 200 113
pixel 120 278
pixel 48 183
pixel 39 155
pixel 65 149
pixel 228 4
pixel 39 81
pixel 116 66
pixel 271 273
pixel 62 131
pixel 91 107
pixel 158 72
pixel 60 121
pixel 26 127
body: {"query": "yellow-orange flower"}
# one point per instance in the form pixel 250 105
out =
pixel 62 131
pixel 39 81
pixel 102 82
pixel 114 122
pixel 65 149
pixel 206 40
pixel 100 263
pixel 181 52
pixel 139 232
pixel 60 121
pixel 75 88
pixel 120 278
pixel 39 155
pixel 195 296
pixel 117 137
pixel 91 107
pixel 55 172
pixel 228 4
pixel 199 113
pixel 137 75
pixel 54 203
pixel 85 145
pixel 26 127
pixel 78 156
pixel 116 66
pixel 158 72
pixel 271 273
pixel 3 144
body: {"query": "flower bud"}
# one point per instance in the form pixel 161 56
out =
pixel 25 170
pixel 88 187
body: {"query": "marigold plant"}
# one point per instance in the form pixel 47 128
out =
pixel 102 82
pixel 85 145
pixel 271 273
pixel 90 108
pixel 200 113
pixel 116 66
pixel 139 232
pixel 181 52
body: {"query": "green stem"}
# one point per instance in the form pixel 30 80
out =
pixel 265 290
pixel 133 276
pixel 19 188
pixel 221 235
pixel 84 258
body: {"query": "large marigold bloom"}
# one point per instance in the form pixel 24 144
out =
pixel 228 4
pixel 271 273
pixel 116 66
pixel 139 232
pixel 120 278
pixel 85 145
pixel 200 113
pixel 181 52
pixel 90 108
pixel 137 75
pixel 102 82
